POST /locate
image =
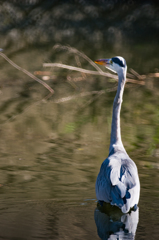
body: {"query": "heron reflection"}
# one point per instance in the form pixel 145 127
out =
pixel 113 224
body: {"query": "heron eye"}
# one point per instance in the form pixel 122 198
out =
pixel 111 62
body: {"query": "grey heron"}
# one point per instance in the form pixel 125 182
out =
pixel 118 182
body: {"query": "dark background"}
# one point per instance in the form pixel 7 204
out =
pixel 98 28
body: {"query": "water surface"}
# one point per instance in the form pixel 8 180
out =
pixel 50 157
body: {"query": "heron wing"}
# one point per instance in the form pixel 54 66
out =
pixel 128 173
pixel 122 180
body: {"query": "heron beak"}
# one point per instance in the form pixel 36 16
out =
pixel 104 62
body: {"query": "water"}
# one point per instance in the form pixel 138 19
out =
pixel 50 157
pixel 51 151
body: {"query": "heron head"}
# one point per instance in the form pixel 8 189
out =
pixel 115 64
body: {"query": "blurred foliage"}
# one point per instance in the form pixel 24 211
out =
pixel 98 28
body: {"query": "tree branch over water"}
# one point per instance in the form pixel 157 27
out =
pixel 82 70
pixel 105 74
pixel 27 73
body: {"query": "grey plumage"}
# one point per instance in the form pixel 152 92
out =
pixel 118 181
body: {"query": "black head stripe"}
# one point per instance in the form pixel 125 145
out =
pixel 118 61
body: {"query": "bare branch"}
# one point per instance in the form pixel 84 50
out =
pixel 27 73
pixel 153 75
pixel 85 94
pixel 60 65
pixel 135 73
pixel 74 50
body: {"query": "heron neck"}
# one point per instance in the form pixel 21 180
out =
pixel 115 140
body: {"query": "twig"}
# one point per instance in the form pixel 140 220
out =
pixel 60 65
pixel 135 73
pixel 27 73
pixel 99 93
pixel 85 94
pixel 79 65
pixel 69 80
pixel 74 50
pixel 153 75
pixel 130 75
pixel 33 77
